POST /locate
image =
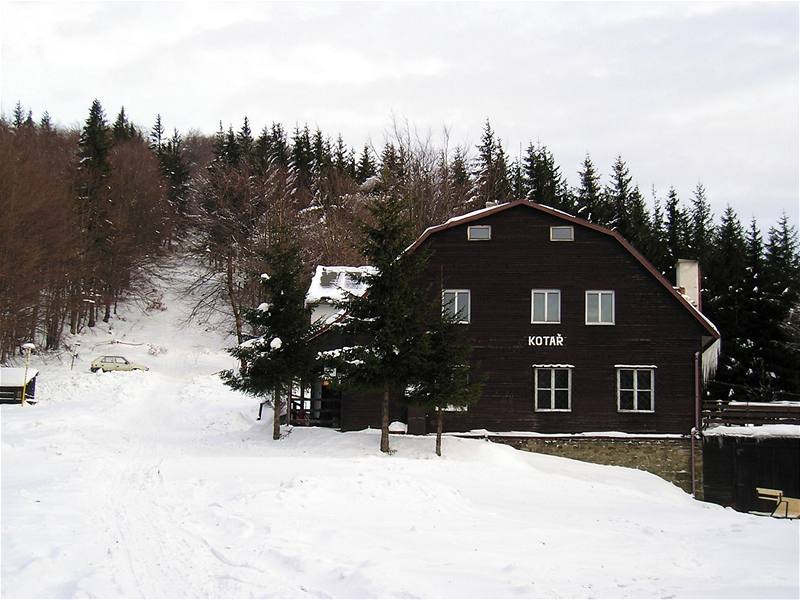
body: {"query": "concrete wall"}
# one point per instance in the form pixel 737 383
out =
pixel 669 458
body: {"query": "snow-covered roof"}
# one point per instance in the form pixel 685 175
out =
pixel 779 430
pixel 15 376
pixel 335 283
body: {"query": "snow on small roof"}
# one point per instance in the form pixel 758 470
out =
pixel 773 430
pixel 15 376
pixel 335 283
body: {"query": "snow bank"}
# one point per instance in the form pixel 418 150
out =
pixel 163 484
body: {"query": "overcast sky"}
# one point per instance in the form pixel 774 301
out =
pixel 685 92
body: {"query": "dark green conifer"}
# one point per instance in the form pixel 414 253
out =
pixel 366 165
pixel 156 133
pixel 122 130
pixel 589 195
pixel 725 303
pixel 283 352
pixel 45 123
pixel 444 380
pixel 618 197
pixel 19 116
pixel 388 317
pixel 244 139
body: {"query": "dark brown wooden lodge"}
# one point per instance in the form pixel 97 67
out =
pixel 572 329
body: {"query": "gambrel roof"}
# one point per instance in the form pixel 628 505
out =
pixel 491 210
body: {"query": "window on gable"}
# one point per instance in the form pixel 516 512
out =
pixel 552 388
pixel 599 307
pixel 635 389
pixel 545 306
pixel 562 233
pixel 456 305
pixel 479 233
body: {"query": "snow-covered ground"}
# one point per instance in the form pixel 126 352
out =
pixel 163 484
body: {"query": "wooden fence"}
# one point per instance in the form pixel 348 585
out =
pixel 750 413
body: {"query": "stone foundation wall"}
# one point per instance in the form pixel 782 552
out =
pixel 669 458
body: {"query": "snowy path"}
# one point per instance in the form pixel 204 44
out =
pixel 162 484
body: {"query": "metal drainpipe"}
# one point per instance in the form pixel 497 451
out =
pixel 696 429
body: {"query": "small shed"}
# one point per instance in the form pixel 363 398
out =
pixel 12 380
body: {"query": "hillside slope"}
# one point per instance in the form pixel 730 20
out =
pixel 163 484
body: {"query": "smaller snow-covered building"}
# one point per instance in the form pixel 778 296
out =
pixel 332 285
pixel 12 381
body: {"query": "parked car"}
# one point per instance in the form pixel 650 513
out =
pixel 115 363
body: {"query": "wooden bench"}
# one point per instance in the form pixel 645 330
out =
pixel 785 506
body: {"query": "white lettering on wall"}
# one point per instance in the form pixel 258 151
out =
pixel 546 340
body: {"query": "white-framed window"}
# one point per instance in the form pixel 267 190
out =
pixel 565 233
pixel 599 307
pixel 545 306
pixel 552 388
pixel 456 304
pixel 635 387
pixel 479 233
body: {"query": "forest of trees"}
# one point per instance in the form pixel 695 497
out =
pixel 89 214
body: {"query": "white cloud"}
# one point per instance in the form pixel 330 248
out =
pixel 684 91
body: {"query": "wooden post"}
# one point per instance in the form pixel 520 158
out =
pixel 27 348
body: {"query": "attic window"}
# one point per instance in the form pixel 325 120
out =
pixel 562 234
pixel 479 233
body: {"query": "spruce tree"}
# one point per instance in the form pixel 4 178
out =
pixel 484 170
pixel 657 241
pixel 283 351
pixel 725 302
pixel 232 151
pixel 701 225
pixel 122 130
pixel 280 146
pixel 45 123
pixel 701 234
pixel 157 135
pixel 517 181
pixel 640 225
pixel 756 314
pixel 175 169
pixel 589 195
pixel 460 175
pixel 321 151
pixel 302 158
pixel 543 180
pixel 19 116
pixel 618 197
pixel 677 234
pixel 94 147
pixel 500 175
pixel 244 139
pixel 366 165
pixel 781 282
pixel 387 317
pixel 444 379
